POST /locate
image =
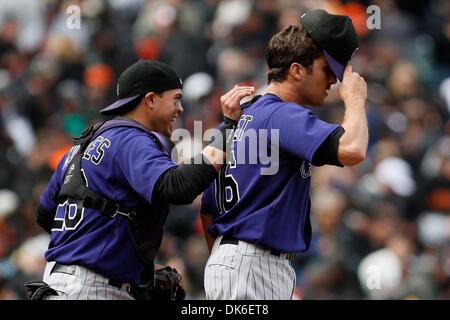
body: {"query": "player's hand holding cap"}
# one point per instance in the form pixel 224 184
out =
pixel 335 34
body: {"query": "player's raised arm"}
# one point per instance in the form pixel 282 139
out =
pixel 353 143
pixel 183 183
pixel 231 110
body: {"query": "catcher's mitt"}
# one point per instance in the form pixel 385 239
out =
pixel 166 286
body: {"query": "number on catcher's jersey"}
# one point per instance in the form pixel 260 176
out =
pixel 227 191
pixel 68 216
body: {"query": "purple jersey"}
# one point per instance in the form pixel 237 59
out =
pixel 121 164
pixel 270 210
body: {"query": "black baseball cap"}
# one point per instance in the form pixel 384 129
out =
pixel 140 78
pixel 335 34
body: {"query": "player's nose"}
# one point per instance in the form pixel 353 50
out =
pixel 332 79
pixel 180 108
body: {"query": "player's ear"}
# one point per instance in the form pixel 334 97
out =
pixel 297 71
pixel 149 99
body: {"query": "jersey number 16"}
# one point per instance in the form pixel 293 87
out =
pixel 227 191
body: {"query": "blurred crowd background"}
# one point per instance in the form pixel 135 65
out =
pixel 381 229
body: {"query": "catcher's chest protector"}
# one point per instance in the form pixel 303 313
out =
pixel 143 220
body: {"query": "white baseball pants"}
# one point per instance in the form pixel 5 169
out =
pixel 244 271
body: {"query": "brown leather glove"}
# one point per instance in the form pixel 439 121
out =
pixel 168 285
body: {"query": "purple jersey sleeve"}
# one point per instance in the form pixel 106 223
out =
pixel 141 162
pixel 301 132
pixel 46 200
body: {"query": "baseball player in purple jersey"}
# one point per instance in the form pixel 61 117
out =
pixel 256 220
pixel 108 199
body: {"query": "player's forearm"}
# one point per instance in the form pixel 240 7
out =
pixel 215 157
pixel 353 143
pixel 182 184
pixel 215 151
pixel 44 218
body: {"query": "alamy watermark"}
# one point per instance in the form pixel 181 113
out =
pixel 373 280
pixel 249 146
pixel 374 19
pixel 73 20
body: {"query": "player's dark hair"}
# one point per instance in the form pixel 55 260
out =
pixel 292 44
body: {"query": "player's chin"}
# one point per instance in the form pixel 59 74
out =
pixel 323 98
pixel 320 101
pixel 170 128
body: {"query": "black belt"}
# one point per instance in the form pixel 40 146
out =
pixel 61 268
pixel 230 240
